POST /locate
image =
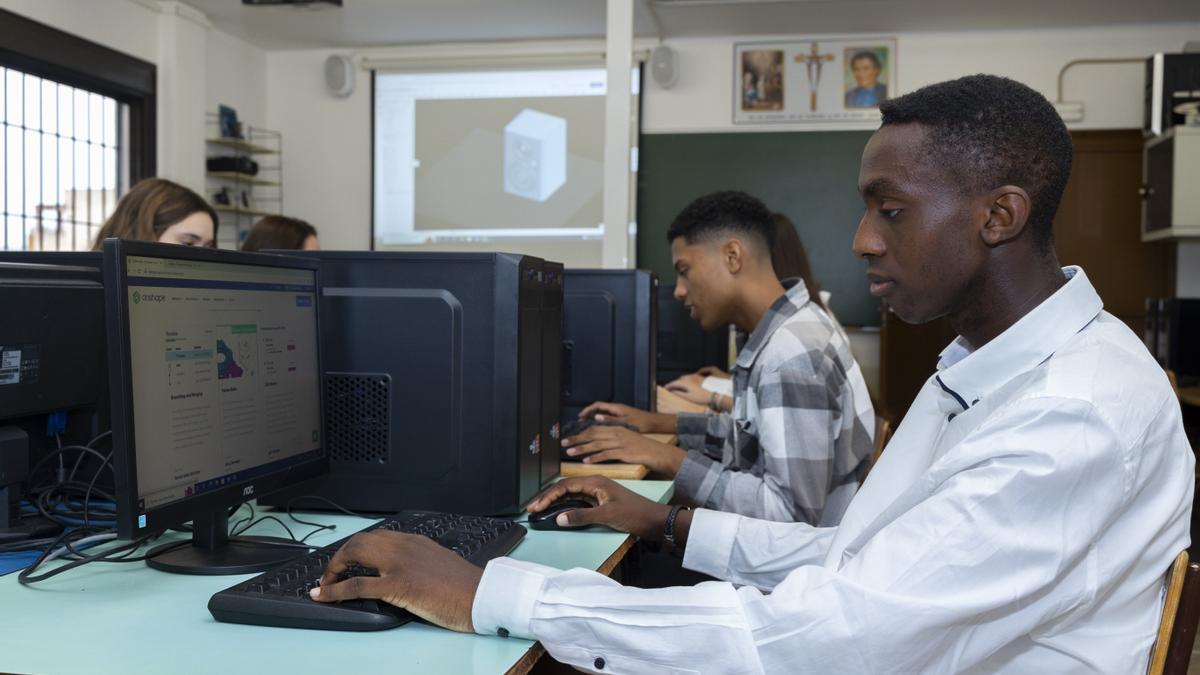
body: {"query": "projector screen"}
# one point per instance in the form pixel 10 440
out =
pixel 479 157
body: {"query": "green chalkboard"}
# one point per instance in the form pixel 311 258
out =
pixel 811 177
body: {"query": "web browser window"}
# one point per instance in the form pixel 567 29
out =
pixel 225 374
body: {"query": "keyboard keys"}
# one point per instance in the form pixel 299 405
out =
pixel 280 597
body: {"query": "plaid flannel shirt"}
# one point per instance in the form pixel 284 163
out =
pixel 799 439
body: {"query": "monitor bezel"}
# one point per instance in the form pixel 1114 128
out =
pixel 158 519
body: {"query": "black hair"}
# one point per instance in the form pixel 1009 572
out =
pixel 866 55
pixel 992 131
pixel 728 211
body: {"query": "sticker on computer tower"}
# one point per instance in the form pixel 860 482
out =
pixel 19 363
pixel 142 522
pixel 555 431
pixel 536 445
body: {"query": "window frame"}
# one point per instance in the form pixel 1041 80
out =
pixel 40 50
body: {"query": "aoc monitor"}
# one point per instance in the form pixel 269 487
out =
pixel 215 390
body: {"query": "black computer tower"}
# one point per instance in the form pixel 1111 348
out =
pixel 52 381
pixel 93 259
pixel 88 332
pixel 552 336
pixel 432 381
pixel 52 348
pixel 683 345
pixel 610 324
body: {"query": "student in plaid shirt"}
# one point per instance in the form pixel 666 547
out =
pixel 798 441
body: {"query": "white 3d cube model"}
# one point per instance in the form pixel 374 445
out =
pixel 535 155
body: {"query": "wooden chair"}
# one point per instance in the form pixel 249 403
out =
pixel 1172 651
pixel 883 433
pixel 1174 381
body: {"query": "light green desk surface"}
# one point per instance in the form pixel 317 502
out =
pixel 128 618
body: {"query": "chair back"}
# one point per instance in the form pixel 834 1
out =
pixel 1172 651
pixel 883 433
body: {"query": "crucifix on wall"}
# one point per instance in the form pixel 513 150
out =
pixel 813 61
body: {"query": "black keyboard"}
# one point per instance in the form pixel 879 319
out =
pixel 280 597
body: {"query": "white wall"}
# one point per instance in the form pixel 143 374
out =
pixel 702 99
pixel 236 76
pixel 326 147
pixel 327 169
pixel 182 37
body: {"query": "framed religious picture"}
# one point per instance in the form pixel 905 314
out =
pixel 828 81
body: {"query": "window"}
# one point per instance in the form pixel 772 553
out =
pixel 76 130
pixel 62 163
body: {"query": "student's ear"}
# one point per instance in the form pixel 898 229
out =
pixel 733 256
pixel 1008 215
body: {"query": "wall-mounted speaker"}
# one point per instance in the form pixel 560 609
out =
pixel 664 66
pixel 339 75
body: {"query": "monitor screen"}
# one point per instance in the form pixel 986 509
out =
pixel 216 384
pixel 224 372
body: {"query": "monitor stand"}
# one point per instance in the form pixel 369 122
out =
pixel 212 552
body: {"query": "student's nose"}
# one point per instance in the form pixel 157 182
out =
pixel 867 241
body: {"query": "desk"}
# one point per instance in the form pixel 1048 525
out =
pixel 671 403
pixel 614 470
pixel 129 618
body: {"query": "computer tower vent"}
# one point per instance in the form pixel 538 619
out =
pixel 358 407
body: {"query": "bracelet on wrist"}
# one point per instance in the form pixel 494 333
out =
pixel 669 528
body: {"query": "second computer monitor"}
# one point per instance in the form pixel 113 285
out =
pixel 610 324
pixel 683 344
pixel 215 391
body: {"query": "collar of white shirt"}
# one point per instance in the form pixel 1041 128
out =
pixel 969 375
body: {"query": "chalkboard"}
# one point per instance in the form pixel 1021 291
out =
pixel 811 177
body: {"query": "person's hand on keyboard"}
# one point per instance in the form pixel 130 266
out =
pixel 599 443
pixel 414 573
pixel 643 421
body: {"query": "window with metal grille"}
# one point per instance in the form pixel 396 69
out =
pixel 62 165
pixel 77 129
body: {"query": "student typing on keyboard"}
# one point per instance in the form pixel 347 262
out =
pixel 1021 520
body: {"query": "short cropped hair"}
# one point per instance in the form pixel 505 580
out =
pixel 870 56
pixel 718 213
pixel 992 131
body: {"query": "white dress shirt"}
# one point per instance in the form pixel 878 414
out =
pixel 1021 521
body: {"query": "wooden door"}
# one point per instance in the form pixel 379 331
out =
pixel 1097 227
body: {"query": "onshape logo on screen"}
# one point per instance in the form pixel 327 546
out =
pixel 138 297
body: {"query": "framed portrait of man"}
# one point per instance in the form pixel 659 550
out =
pixel 865 76
pixel 836 82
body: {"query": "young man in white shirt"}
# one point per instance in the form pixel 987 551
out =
pixel 1021 520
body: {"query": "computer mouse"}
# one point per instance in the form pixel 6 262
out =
pixel 545 519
